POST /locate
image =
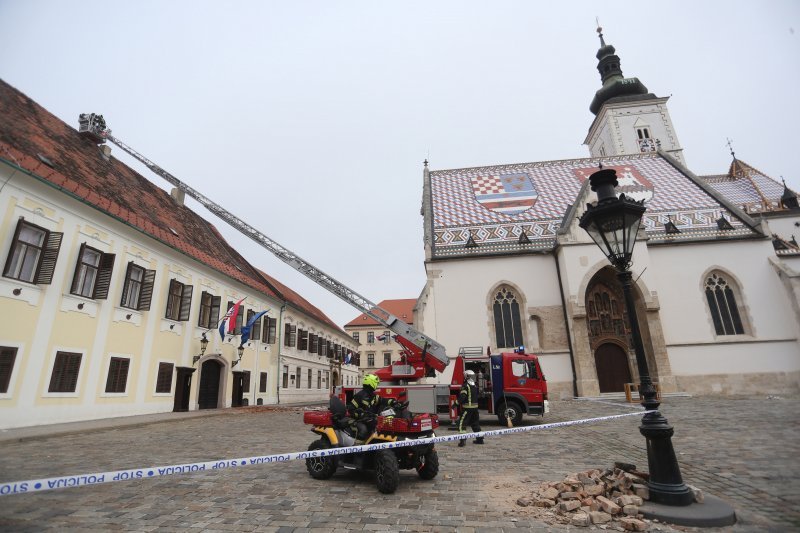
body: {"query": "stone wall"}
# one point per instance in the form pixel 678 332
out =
pixel 740 384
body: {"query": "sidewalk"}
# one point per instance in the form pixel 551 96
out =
pixel 89 426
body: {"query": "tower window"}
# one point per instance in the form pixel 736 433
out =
pixel 643 133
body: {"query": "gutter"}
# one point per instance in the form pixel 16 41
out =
pixel 566 322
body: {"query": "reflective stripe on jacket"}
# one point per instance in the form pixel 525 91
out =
pixel 468 396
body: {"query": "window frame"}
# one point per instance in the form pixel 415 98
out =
pixel 179 301
pixel 100 274
pixel 8 361
pixel 116 365
pixel 508 320
pixel 45 262
pixel 60 380
pixel 263 382
pixel 734 322
pixel 164 374
pixel 208 317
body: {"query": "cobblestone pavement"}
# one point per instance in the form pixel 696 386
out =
pixel 743 450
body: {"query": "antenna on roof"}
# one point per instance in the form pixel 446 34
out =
pixel 730 147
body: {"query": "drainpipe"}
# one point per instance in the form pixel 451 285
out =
pixel 278 339
pixel 566 321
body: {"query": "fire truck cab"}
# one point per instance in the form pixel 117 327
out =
pixel 510 384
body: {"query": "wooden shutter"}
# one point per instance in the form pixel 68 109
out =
pixel 186 302
pixel 117 374
pixel 103 280
pixel 287 330
pixel 47 265
pixel 75 278
pixel 164 379
pixel 7 357
pixel 216 301
pixel 146 294
pixel 14 241
pixel 65 372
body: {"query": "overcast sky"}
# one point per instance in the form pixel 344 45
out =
pixel 310 119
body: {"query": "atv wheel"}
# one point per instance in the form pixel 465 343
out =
pixel 387 472
pixel 320 467
pixel 510 410
pixel 430 467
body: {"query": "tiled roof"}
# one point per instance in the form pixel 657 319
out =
pixel 747 187
pixel 402 309
pixel 483 203
pixel 300 303
pixel 29 134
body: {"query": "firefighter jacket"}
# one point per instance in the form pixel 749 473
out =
pixel 468 396
pixel 365 402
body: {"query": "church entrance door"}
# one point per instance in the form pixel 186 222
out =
pixel 612 368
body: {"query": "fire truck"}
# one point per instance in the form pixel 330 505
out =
pixel 511 383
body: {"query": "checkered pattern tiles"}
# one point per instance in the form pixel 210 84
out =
pixel 668 193
pixel 741 188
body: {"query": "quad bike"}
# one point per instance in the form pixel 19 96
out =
pixel 394 424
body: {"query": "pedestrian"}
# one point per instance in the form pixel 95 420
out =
pixel 468 401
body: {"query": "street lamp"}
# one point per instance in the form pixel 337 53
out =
pixel 240 351
pixel 612 224
pixel 203 346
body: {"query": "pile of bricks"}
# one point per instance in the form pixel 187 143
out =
pixel 609 497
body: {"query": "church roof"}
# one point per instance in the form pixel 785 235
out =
pixel 494 205
pixel 750 189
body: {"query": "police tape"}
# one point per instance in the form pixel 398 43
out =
pixel 61 482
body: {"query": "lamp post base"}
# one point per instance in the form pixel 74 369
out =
pixel 713 512
pixel 666 484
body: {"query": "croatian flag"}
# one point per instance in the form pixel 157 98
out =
pixel 249 327
pixel 229 320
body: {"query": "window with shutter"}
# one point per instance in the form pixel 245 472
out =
pixel 86 271
pixel 117 374
pixel 65 372
pixel 204 318
pixel 27 248
pixel 147 290
pixel 132 288
pixel 8 355
pixel 186 303
pixel 255 331
pixel 302 343
pixel 104 271
pixel 164 379
pixel 287 330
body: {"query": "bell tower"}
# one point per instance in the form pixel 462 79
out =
pixel 628 118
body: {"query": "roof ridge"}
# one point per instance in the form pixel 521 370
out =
pixel 536 164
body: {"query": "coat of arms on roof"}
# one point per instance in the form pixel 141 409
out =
pixel 509 194
pixel 631 181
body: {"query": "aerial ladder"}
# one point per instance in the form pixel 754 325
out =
pixel 422 356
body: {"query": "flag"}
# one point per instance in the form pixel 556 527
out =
pixel 381 337
pixel 228 322
pixel 246 329
pixel 348 358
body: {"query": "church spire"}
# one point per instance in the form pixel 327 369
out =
pixel 615 85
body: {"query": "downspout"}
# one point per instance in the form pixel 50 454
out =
pixel 278 333
pixel 566 322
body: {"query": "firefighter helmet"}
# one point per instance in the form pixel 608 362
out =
pixel 469 375
pixel 371 380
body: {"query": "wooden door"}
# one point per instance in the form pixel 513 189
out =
pixel 612 368
pixel 209 385
pixel 237 389
pixel 183 384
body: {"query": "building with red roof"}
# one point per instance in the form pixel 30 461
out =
pixel 113 290
pixel 376 348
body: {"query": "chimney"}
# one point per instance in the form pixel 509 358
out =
pixel 105 150
pixel 177 195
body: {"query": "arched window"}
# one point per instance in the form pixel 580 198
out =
pixel 507 323
pixel 722 304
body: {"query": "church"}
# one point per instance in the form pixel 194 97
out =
pixel 716 267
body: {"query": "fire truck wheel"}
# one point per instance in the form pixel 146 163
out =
pixel 510 410
pixel 320 467
pixel 430 468
pixel 387 471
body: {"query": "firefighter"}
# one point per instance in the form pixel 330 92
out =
pixel 468 401
pixel 366 404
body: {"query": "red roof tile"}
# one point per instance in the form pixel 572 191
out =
pixel 402 309
pixel 27 130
